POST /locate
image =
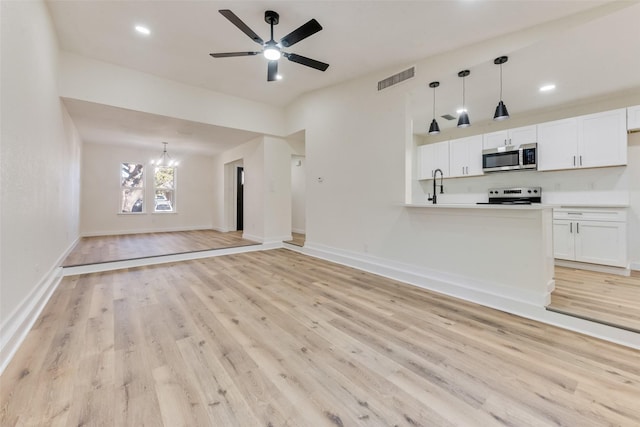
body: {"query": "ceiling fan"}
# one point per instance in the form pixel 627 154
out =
pixel 271 49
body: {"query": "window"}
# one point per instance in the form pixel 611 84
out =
pixel 132 187
pixel 164 185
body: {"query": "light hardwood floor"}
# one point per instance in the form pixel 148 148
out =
pixel 602 297
pixel 277 338
pixel 92 250
pixel 297 239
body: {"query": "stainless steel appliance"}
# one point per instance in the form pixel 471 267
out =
pixel 510 157
pixel 514 196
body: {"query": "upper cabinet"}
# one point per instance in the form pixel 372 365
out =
pixel 557 144
pixel 515 136
pixel 633 118
pixel 602 139
pixel 432 157
pixel 465 156
pixel 589 141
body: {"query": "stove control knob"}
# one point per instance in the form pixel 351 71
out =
pixel 529 191
pixel 535 191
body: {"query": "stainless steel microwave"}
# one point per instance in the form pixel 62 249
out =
pixel 510 157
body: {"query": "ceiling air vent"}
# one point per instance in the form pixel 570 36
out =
pixel 397 78
pixel 448 117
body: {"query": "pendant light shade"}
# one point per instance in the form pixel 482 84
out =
pixel 434 129
pixel 501 110
pixel 463 118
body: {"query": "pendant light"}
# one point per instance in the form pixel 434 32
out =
pixel 434 129
pixel 501 110
pixel 463 118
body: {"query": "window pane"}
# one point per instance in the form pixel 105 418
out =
pixel 132 187
pixel 164 189
pixel 132 174
pixel 132 199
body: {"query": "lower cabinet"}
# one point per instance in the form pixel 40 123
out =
pixel 593 235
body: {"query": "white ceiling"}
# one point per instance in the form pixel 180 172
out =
pixel 359 37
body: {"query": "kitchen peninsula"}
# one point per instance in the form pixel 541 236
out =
pixel 497 255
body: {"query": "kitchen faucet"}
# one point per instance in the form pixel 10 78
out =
pixel 435 172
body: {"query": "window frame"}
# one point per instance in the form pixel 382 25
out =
pixel 173 199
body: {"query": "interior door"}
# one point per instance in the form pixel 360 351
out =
pixel 239 198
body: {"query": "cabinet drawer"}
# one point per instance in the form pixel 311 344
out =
pixel 591 214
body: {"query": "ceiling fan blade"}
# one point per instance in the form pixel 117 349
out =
pixel 230 54
pixel 306 61
pixel 241 25
pixel 300 33
pixel 272 71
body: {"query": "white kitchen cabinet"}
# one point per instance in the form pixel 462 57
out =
pixel 515 136
pixel 465 156
pixel 432 157
pixel 633 118
pixel 588 141
pixel 592 235
pixel 602 139
pixel 557 144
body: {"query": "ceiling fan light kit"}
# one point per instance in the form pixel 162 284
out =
pixel 271 49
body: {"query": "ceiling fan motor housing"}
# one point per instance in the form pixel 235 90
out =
pixel 271 17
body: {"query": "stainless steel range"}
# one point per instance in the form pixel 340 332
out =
pixel 514 196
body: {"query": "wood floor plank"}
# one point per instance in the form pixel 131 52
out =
pixel 278 338
pixel 97 249
pixel 602 297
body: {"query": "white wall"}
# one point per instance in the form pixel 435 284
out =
pixel 40 158
pixel 298 193
pixel 95 81
pixel 267 189
pixel 100 199
pixel 223 169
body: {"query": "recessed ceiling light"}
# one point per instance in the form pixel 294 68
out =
pixel 143 30
pixel 547 88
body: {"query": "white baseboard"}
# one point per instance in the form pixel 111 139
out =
pixel 15 329
pixel 467 288
pixel 147 230
pixel 521 305
pixel 267 242
pixel 621 271
pixel 635 266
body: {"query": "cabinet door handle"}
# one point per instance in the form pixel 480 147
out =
pixel 467 170
pixel 574 160
pixel 463 170
pixel 580 160
pixel 570 228
pixel 578 227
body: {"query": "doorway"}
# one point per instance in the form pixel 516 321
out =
pixel 239 198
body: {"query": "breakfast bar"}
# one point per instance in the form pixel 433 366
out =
pixel 494 254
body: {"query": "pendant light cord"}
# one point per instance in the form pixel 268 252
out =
pixel 434 103
pixel 463 92
pixel 500 82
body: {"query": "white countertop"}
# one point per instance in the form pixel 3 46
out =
pixel 591 205
pixel 535 206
